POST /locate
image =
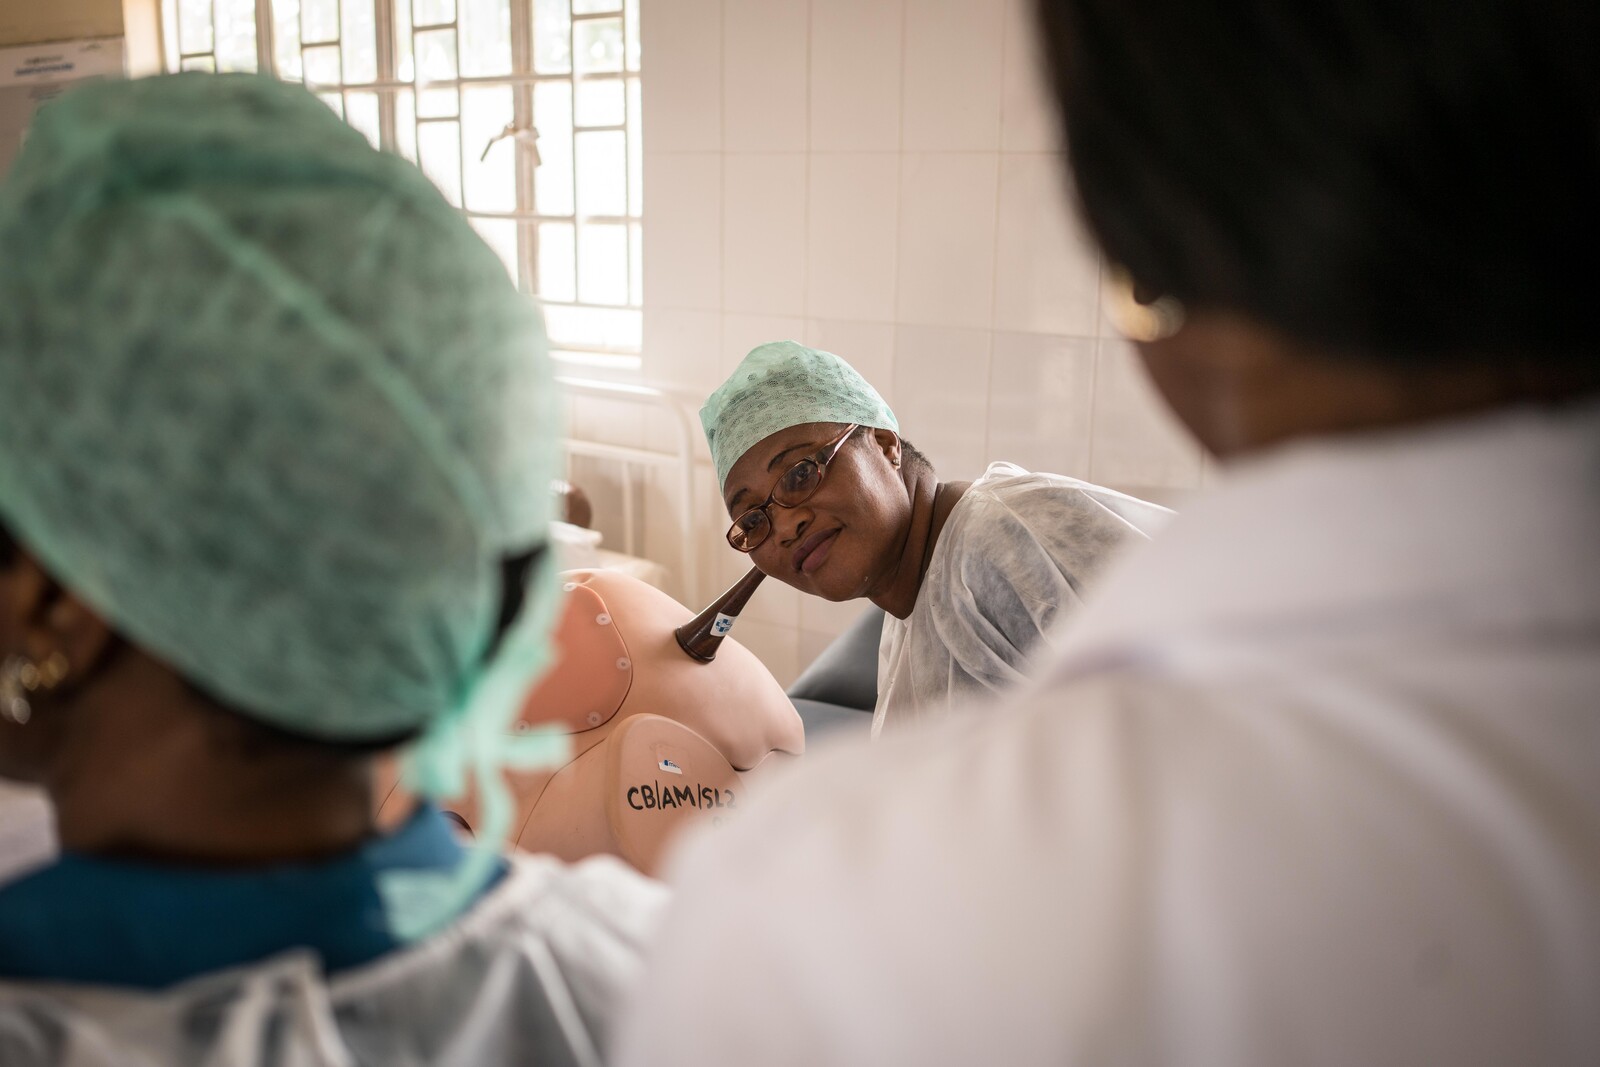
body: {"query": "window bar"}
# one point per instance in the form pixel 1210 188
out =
pixel 461 115
pixel 627 165
pixel 161 38
pixel 481 79
pixel 572 158
pixel 266 40
pixel 384 40
pixel 416 83
pixel 338 16
pixel 535 216
pixel 522 52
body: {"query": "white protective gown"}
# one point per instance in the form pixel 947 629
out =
pixel 1015 557
pixel 1317 782
pixel 534 973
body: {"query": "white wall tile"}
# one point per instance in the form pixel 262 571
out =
pixel 1047 273
pixel 660 431
pixel 765 65
pixel 599 481
pixel 1041 394
pixel 717 565
pixel 1137 440
pixel 866 346
pixel 855 75
pixel 683 91
pixel 605 421
pixel 941 377
pixel 661 503
pixel 947 239
pixel 850 235
pixel 1027 115
pixel 683 348
pixel 741 333
pixel 777 647
pixel 763 233
pixel 953 71
pixel 683 238
pixel 1108 327
pixel 723 566
pixel 782 206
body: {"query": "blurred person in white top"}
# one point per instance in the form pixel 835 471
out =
pixel 1317 781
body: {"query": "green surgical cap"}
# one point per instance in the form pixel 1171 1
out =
pixel 780 385
pixel 270 405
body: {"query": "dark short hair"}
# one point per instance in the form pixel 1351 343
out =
pixel 913 457
pixel 1406 180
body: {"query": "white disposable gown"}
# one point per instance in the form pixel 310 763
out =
pixel 1317 782
pixel 1017 554
pixel 534 973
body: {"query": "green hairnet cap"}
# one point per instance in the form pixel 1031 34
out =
pixel 273 408
pixel 269 403
pixel 780 385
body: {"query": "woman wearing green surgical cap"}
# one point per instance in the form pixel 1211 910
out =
pixel 276 439
pixel 827 497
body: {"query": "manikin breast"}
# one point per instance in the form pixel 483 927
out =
pixel 659 740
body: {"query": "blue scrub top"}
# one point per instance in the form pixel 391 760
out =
pixel 100 922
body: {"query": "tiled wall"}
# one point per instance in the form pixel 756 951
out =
pixel 879 178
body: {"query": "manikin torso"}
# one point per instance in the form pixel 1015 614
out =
pixel 658 739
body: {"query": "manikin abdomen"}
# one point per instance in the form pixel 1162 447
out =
pixel 658 739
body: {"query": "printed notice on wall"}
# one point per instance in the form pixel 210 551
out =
pixel 32 74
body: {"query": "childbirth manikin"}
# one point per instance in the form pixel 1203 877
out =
pixel 658 739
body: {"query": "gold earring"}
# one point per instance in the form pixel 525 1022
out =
pixel 1137 321
pixel 20 677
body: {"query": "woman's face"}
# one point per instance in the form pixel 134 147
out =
pixel 844 541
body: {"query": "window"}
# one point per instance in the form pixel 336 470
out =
pixel 525 114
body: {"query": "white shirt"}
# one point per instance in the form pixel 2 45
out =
pixel 1317 783
pixel 1016 556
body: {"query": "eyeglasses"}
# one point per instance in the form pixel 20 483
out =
pixel 793 488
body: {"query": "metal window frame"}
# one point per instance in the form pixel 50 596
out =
pixel 522 79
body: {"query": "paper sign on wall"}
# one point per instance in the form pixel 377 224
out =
pixel 34 73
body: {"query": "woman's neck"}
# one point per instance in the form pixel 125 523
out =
pixel 201 792
pixel 931 504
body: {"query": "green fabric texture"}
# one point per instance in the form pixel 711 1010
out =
pixel 784 384
pixel 275 410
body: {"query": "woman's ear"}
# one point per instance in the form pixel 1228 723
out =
pixel 42 620
pixel 888 443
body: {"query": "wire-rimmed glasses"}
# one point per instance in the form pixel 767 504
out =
pixel 793 488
